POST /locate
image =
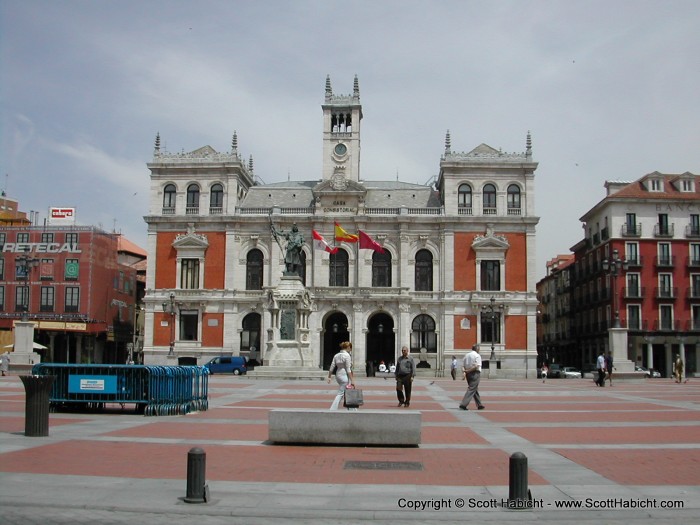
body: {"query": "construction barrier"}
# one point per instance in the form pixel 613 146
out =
pixel 154 390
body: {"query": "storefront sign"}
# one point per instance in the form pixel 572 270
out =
pixel 40 247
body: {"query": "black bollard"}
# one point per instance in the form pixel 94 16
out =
pixel 36 407
pixel 197 491
pixel 517 492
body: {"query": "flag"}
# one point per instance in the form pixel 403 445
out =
pixel 321 244
pixel 367 243
pixel 342 235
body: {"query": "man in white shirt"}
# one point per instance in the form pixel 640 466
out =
pixel 472 368
pixel 601 370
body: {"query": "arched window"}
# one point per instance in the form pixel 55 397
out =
pixel 423 334
pixel 381 269
pixel 338 268
pixel 424 271
pixel 250 335
pixel 489 199
pixel 216 200
pixel 192 200
pixel 513 199
pixel 169 193
pixel 254 270
pixel 464 196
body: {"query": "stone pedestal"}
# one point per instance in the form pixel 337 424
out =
pixel 24 353
pixel 288 339
pixel 618 348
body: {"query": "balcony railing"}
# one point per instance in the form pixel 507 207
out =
pixel 631 230
pixel 692 231
pixel 692 325
pixel 665 261
pixel 465 210
pixel 634 292
pixel 192 210
pixel 663 230
pixel 168 210
pixel 694 293
pixel 635 262
pixel 216 210
pixel 693 262
pixel 663 292
pixel 666 326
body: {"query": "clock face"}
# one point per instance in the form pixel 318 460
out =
pixel 340 149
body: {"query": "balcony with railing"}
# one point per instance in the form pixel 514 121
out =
pixel 692 231
pixel 666 261
pixel 216 210
pixel 666 292
pixel 692 325
pixel 515 211
pixel 635 262
pixel 663 230
pixel 192 210
pixel 490 211
pixel 631 230
pixel 694 293
pixel 666 326
pixel 693 262
pixel 168 210
pixel 465 210
pixel 604 234
pixel 634 292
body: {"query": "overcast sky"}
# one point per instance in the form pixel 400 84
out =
pixel 609 90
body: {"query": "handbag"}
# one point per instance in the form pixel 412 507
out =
pixel 353 398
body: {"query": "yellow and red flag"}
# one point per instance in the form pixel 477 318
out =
pixel 342 235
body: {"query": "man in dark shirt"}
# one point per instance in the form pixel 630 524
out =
pixel 405 372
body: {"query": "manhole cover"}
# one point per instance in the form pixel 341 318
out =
pixel 384 465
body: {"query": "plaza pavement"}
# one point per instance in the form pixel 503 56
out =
pixel 620 452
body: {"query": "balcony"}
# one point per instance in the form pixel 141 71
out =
pixel 168 210
pixel 192 210
pixel 631 230
pixel 464 210
pixel 664 292
pixel 666 326
pixel 692 325
pixel 694 293
pixel 634 292
pixel 604 234
pixel 636 262
pixel 666 261
pixel 490 211
pixel 216 210
pixel 663 230
pixel 693 262
pixel 692 231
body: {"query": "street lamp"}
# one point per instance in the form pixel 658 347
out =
pixel 493 312
pixel 615 266
pixel 24 267
pixel 169 307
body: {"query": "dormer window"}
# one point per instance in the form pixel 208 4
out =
pixel 656 185
pixel 687 185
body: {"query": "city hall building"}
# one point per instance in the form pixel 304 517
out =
pixel 443 266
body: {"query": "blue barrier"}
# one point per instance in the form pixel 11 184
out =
pixel 155 390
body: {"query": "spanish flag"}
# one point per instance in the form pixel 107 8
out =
pixel 342 235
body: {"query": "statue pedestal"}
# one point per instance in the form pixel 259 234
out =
pixel 617 340
pixel 24 353
pixel 288 344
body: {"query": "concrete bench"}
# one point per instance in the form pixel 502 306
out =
pixel 344 427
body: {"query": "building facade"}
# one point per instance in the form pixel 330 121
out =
pixel 456 269
pixel 638 267
pixel 69 281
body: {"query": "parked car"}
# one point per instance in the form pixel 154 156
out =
pixel 554 371
pixel 569 372
pixel 226 364
pixel 647 372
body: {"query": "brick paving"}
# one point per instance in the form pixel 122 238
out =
pixel 633 434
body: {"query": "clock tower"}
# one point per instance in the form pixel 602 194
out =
pixel 341 135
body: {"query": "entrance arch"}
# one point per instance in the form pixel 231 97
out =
pixel 381 340
pixel 335 331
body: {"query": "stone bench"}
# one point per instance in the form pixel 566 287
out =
pixel 344 427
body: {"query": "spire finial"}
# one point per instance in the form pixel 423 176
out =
pixel 528 145
pixel 356 88
pixel 250 164
pixel 234 143
pixel 329 90
pixel 448 142
pixel 157 147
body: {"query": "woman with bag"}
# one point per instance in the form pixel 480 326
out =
pixel 341 366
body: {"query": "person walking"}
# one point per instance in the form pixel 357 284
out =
pixel 5 364
pixel 600 365
pixel 453 368
pixel 609 366
pixel 471 364
pixel 404 374
pixel 341 366
pixel 677 369
pixel 544 372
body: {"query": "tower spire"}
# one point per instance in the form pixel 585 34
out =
pixel 234 143
pixel 329 90
pixel 356 89
pixel 528 145
pixel 157 146
pixel 448 143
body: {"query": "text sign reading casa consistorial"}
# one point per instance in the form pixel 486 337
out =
pixel 40 247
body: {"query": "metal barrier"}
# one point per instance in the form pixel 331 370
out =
pixel 155 390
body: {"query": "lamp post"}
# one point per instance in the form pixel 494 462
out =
pixel 169 307
pixel 493 311
pixel 614 267
pixel 25 264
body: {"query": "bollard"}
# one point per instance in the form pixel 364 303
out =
pixel 518 493
pixel 36 407
pixel 197 491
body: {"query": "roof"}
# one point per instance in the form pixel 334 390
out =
pixel 125 245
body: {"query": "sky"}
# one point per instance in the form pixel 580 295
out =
pixel 608 89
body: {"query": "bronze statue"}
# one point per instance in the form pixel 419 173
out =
pixel 292 256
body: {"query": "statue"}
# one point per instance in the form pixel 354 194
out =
pixel 292 256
